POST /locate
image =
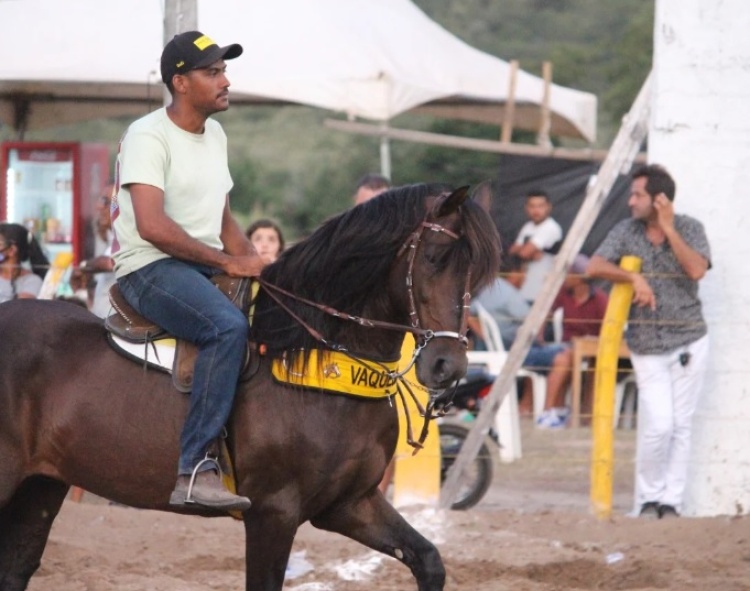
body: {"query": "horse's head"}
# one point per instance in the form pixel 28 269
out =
pixel 451 254
pixel 405 259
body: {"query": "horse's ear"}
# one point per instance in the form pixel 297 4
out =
pixel 482 195
pixel 450 203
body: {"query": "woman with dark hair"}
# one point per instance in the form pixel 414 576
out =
pixel 18 246
pixel 267 239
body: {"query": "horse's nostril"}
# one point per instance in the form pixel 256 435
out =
pixel 446 370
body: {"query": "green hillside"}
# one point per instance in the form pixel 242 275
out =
pixel 287 165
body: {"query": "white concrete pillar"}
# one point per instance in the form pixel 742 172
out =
pixel 700 130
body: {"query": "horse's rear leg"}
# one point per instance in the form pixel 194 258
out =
pixel 25 524
pixel 373 522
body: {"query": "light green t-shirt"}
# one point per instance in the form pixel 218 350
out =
pixel 192 171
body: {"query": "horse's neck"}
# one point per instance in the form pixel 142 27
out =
pixel 378 343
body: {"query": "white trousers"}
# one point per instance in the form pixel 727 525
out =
pixel 667 398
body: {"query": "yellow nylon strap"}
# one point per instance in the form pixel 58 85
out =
pixel 339 373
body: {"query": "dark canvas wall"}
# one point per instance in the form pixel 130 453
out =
pixel 565 182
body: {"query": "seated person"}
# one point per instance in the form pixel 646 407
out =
pixel 508 307
pixel 537 243
pixel 22 263
pixel 267 238
pixel 583 308
pixel 583 304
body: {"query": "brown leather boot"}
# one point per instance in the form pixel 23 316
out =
pixel 208 491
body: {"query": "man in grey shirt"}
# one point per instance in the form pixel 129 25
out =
pixel 667 334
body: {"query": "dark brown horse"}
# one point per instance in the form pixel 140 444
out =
pixel 74 412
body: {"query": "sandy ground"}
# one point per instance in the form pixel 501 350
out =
pixel 533 531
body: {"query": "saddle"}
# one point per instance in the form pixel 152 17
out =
pixel 128 324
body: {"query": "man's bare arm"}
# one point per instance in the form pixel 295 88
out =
pixel 156 227
pixel 693 263
pixel 234 239
pixel 527 251
pixel 601 268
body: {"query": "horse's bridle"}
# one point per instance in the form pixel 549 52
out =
pixel 423 335
pixel 426 335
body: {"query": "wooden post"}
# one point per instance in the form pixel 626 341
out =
pixel 602 425
pixel 179 16
pixel 545 122
pixel 467 143
pixel 619 160
pixel 510 104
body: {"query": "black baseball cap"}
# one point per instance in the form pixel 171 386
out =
pixel 192 50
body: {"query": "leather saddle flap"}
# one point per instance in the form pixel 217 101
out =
pixel 127 323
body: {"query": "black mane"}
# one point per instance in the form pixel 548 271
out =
pixel 345 264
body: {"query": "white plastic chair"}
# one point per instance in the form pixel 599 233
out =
pixel 494 342
pixel 557 324
pixel 507 424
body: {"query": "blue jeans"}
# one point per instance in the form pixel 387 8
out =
pixel 540 357
pixel 179 297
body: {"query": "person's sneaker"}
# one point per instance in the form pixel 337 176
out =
pixel 544 417
pixel 549 419
pixel 650 510
pixel 208 491
pixel 667 511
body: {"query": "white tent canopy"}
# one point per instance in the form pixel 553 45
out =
pixel 375 59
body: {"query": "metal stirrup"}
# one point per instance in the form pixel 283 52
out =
pixel 189 495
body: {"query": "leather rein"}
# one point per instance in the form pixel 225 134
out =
pixel 424 336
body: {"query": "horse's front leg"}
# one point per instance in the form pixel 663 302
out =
pixel 268 542
pixel 374 522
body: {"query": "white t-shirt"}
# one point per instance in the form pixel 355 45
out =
pixel 192 171
pixel 544 236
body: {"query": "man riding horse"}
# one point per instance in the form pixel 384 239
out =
pixel 173 231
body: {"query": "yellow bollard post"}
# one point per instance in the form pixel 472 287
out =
pixel 417 477
pixel 602 426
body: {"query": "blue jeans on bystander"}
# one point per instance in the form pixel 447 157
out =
pixel 179 297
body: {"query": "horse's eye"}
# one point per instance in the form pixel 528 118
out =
pixel 435 254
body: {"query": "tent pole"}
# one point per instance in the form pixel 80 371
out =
pixel 506 131
pixel 179 16
pixel 385 151
pixel 542 138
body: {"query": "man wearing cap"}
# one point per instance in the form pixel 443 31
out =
pixel 173 230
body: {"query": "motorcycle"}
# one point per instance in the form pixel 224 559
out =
pixel 454 429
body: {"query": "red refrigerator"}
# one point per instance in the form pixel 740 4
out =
pixel 52 188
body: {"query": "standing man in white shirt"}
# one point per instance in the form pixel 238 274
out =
pixel 537 243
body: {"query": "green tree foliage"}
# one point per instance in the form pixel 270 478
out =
pixel 630 63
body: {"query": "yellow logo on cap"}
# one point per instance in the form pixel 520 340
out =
pixel 180 63
pixel 203 42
